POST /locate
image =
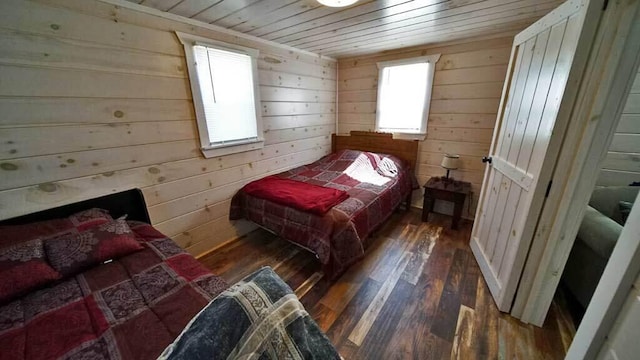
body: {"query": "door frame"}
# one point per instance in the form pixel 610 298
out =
pixel 604 88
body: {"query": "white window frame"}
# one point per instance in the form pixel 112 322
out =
pixel 429 59
pixel 209 150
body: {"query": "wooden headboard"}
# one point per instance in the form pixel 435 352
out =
pixel 406 150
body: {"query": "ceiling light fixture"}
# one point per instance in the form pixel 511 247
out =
pixel 337 3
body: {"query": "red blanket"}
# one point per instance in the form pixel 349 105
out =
pixel 299 195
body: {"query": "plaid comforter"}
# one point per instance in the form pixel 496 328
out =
pixel 376 185
pixel 130 308
pixel 257 318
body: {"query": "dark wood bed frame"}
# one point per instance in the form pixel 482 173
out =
pixel 129 202
pixel 384 143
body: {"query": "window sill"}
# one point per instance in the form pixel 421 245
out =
pixel 409 136
pixel 212 151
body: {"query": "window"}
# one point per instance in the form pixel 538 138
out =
pixel 404 93
pixel 225 95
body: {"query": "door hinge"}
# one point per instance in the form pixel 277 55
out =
pixel 604 6
pixel 546 194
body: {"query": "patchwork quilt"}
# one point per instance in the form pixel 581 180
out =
pixel 257 318
pixel 129 308
pixel 376 185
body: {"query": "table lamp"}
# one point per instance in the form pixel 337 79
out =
pixel 450 162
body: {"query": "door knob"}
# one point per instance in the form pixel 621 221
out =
pixel 487 159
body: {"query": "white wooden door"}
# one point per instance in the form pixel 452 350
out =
pixel 543 75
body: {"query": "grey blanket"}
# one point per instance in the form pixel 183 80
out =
pixel 257 318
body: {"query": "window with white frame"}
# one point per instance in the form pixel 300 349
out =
pixel 404 94
pixel 225 95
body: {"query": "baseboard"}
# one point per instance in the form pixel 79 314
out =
pixel 224 243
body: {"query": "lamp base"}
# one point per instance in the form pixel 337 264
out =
pixel 446 181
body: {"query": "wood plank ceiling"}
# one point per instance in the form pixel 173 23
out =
pixel 365 27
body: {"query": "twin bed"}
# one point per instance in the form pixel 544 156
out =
pixel 94 280
pixel 130 307
pixel 83 282
pixel 374 170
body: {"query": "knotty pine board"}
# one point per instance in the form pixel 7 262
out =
pixel 95 99
pixel 467 87
pixel 27 48
pixel 21 111
pixel 111 13
pixel 621 165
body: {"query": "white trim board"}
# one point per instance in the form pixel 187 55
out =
pixel 182 19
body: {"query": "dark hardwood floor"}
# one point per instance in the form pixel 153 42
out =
pixel 417 294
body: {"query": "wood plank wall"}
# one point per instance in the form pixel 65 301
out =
pixel 620 342
pixel 622 165
pixel 466 94
pixel 95 99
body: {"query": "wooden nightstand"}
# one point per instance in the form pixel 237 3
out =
pixel 439 189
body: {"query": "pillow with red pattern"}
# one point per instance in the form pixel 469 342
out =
pixel 73 253
pixel 87 219
pixel 23 268
pixel 80 221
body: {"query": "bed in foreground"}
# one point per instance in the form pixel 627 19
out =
pixel 373 170
pixel 81 282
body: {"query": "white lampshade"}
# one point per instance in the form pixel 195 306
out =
pixel 450 161
pixel 337 3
